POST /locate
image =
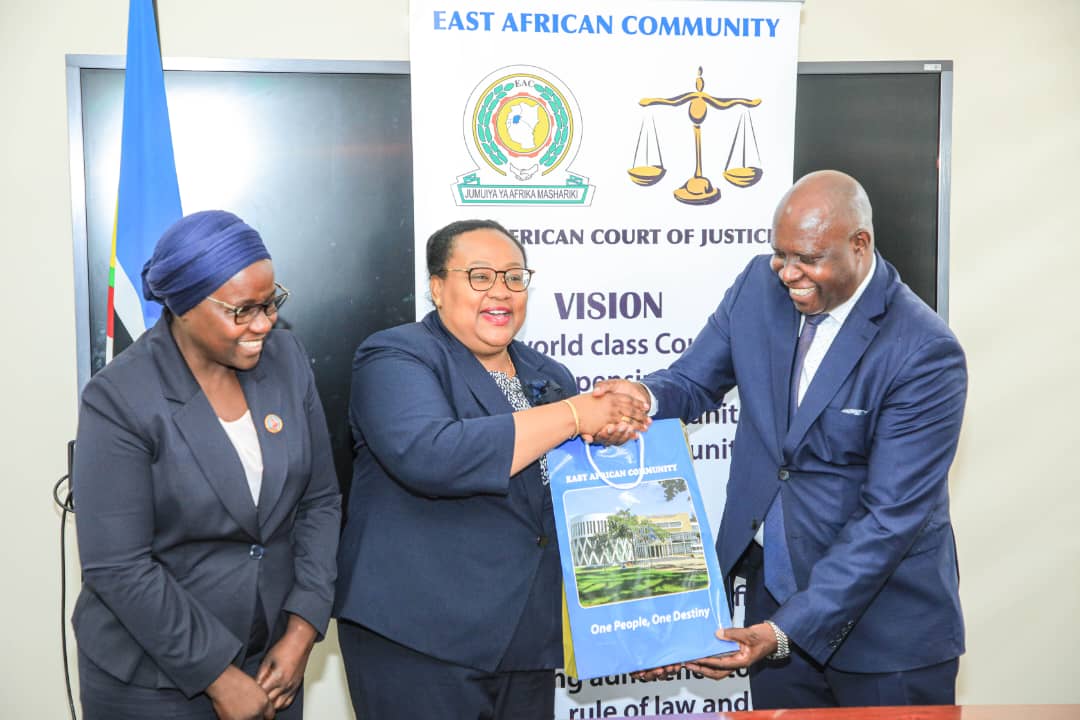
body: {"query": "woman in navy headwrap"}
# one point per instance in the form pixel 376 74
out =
pixel 208 508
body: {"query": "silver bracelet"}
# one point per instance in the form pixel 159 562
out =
pixel 783 647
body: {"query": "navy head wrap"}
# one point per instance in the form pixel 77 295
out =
pixel 196 256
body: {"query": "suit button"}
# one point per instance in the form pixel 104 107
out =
pixel 542 540
pixel 755 524
pixel 783 474
pixel 257 551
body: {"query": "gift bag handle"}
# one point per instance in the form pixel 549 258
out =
pixel 641 466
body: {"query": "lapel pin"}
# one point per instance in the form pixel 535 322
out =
pixel 273 423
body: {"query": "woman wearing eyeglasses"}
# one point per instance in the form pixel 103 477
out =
pixel 449 600
pixel 208 508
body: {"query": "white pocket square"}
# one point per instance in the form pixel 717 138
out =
pixel 853 411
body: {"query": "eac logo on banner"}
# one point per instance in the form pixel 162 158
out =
pixel 521 129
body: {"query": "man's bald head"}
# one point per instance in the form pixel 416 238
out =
pixel 828 197
pixel 823 240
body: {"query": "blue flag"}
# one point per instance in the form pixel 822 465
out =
pixel 148 199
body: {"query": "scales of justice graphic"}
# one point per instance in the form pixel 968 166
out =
pixel 698 190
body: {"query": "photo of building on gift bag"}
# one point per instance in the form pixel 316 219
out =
pixel 639 548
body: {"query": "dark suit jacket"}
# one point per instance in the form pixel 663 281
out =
pixel 862 470
pixel 173 549
pixel 443 551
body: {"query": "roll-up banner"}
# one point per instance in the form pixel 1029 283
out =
pixel 637 149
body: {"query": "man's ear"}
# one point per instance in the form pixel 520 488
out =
pixel 861 242
pixel 435 288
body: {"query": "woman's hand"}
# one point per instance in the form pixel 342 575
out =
pixel 617 434
pixel 616 416
pixel 236 696
pixel 282 670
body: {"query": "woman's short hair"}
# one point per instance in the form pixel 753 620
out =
pixel 441 242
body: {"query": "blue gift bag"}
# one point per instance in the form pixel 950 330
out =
pixel 643 585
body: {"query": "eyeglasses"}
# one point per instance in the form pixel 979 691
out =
pixel 246 313
pixel 483 278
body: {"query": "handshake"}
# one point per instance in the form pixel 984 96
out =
pixel 613 413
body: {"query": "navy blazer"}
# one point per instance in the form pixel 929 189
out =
pixel 173 548
pixel 443 551
pixel 862 470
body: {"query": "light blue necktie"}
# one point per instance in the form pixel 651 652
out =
pixel 779 572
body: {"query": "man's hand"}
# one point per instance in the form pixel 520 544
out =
pixel 618 385
pixel 617 434
pixel 664 672
pixel 282 670
pixel 755 642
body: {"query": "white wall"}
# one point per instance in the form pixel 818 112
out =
pixel 1015 154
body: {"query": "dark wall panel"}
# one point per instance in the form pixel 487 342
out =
pixel 320 164
pixel 882 129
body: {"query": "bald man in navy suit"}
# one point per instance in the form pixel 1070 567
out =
pixel 837 509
